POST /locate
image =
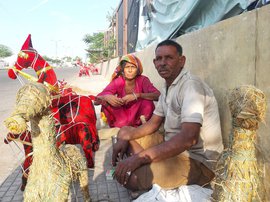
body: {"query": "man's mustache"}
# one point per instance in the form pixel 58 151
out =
pixel 163 67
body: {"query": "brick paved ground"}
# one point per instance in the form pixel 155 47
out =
pixel 101 189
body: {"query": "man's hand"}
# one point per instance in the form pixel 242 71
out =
pixel 125 168
pixel 125 133
pixel 119 149
pixel 121 146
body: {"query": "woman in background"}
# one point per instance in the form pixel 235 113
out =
pixel 129 95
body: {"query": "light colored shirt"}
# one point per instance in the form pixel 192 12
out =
pixel 188 99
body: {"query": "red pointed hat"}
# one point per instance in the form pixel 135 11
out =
pixel 28 43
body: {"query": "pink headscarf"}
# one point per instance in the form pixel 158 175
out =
pixel 130 58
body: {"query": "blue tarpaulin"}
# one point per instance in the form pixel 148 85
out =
pixel 163 19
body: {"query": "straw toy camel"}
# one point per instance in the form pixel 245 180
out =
pixel 239 177
pixel 52 169
pixel 74 114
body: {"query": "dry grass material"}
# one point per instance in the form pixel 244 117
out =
pixel 52 170
pixel 238 176
pixel 248 107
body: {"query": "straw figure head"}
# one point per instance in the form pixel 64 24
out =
pixel 248 106
pixel 31 99
pixel 238 172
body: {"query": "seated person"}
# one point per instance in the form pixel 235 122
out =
pixel 192 142
pixel 129 95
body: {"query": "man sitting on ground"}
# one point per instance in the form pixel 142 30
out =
pixel 192 143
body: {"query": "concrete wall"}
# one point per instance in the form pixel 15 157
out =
pixel 228 54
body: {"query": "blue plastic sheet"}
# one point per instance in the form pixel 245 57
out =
pixel 163 19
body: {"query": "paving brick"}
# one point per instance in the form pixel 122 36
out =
pixel 14 187
pixel 6 199
pixel 10 193
pixel 18 197
pixel 100 188
pixel 4 188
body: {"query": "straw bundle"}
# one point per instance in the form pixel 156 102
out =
pixel 27 104
pixel 239 177
pixel 248 106
pixel 52 170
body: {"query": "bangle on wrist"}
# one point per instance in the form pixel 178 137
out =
pixel 135 95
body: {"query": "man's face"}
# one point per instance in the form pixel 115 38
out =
pixel 168 62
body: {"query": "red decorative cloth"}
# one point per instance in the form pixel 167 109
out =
pixel 29 57
pixel 77 123
pixel 79 134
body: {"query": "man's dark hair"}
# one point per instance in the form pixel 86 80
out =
pixel 169 42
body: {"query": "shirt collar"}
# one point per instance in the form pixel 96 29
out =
pixel 182 73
